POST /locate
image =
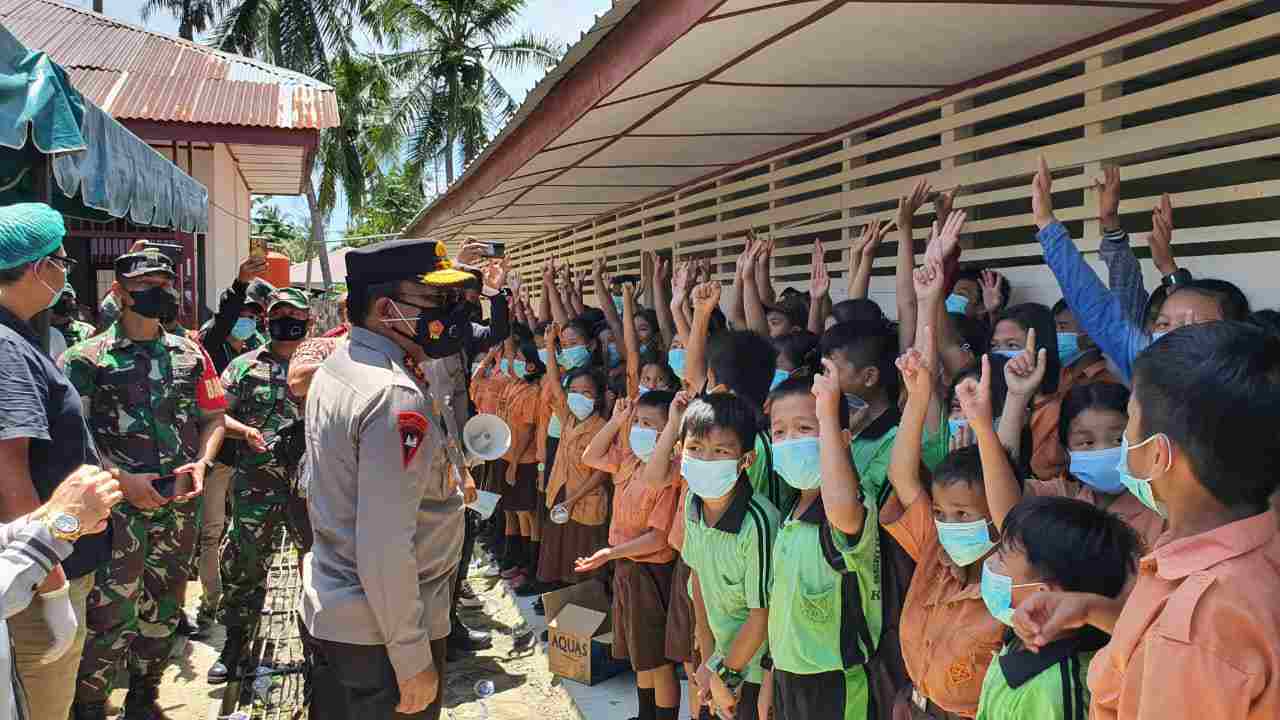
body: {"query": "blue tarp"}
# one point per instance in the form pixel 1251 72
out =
pixel 96 160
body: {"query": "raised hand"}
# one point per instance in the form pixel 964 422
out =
pixel 622 407
pixel 706 297
pixel 679 404
pixel 975 397
pixel 826 389
pixel 1025 371
pixel 1108 189
pixel 1162 237
pixel 551 334
pixel 991 294
pixel 872 235
pixel 910 204
pixel 945 240
pixel 820 283
pixel 928 279
pixel 680 283
pixel 1042 195
pixel 944 202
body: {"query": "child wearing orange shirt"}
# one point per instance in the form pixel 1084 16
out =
pixel 520 492
pixel 643 561
pixel 488 383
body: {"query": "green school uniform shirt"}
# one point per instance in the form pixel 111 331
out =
pixel 733 561
pixel 872 450
pixel 825 611
pixel 1049 685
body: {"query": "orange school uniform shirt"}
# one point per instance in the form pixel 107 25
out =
pixel 639 507
pixel 518 406
pixel 1148 523
pixel 1199 635
pixel 571 473
pixel 948 637
pixel 1086 374
pixel 486 392
pixel 544 416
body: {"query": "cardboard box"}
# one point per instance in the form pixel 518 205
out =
pixel 580 633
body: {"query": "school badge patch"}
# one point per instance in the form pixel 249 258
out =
pixel 413 429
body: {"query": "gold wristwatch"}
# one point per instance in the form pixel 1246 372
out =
pixel 63 526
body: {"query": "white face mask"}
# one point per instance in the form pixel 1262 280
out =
pixel 55 294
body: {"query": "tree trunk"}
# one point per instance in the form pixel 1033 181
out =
pixel 184 23
pixel 317 235
pixel 448 160
pixel 97 6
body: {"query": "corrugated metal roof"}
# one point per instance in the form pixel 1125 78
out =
pixel 137 74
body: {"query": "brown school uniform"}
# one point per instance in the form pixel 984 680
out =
pixel 1087 374
pixel 586 531
pixel 679 643
pixel 518 406
pixel 1198 634
pixel 485 395
pixel 948 636
pixel 641 585
pixel 1146 522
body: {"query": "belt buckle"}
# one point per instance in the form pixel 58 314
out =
pixel 919 700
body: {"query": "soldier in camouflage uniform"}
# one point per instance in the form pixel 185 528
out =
pixel 62 317
pixel 155 407
pixel 258 398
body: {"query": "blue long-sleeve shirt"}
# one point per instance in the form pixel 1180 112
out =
pixel 1124 275
pixel 1101 312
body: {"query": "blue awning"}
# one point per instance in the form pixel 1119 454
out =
pixel 97 163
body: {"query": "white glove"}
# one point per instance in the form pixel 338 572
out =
pixel 60 617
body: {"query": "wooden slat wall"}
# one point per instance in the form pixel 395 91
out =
pixel 1190 107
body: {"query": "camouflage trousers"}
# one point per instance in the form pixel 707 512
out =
pixel 252 525
pixel 132 613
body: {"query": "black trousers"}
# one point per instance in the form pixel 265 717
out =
pixel 470 529
pixel 357 682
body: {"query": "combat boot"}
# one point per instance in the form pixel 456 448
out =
pixel 228 663
pixel 88 711
pixel 140 703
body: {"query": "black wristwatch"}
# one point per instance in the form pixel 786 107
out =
pixel 1181 276
pixel 766 662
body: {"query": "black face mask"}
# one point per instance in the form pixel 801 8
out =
pixel 440 331
pixel 155 302
pixel 287 329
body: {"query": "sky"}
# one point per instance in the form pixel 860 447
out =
pixel 560 20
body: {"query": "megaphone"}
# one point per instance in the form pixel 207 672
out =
pixel 486 437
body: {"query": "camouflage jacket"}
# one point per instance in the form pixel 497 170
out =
pixel 76 332
pixel 144 400
pixel 258 395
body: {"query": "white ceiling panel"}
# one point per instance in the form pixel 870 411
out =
pixel 656 176
pixel 562 157
pixel 737 6
pixel 522 182
pixel 806 111
pixel 709 46
pixel 865 42
pixel 687 150
pixel 545 211
pixel 586 194
pixel 612 119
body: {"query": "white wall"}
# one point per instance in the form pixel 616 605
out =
pixel 227 241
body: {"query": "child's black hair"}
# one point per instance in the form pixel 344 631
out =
pixel 660 399
pixel 586 330
pixel 721 410
pixel 540 330
pixel 1101 395
pixel 668 375
pixel 1230 298
pixel 999 387
pixel 974 333
pixel 861 313
pixel 743 362
pixel 1268 320
pixel 521 332
pixel 1214 390
pixel 1060 307
pixel 533 365
pixel 959 466
pixel 1073 544
pixel 863 349
pixel 801 351
pixel 1035 315
pixel 803 385
pixel 650 316
pixel 597 379
pixel 793 308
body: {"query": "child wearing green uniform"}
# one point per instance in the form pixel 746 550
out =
pixel 1060 545
pixel 728 543
pixel 826 613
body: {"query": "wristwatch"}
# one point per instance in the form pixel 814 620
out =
pixel 732 679
pixel 63 526
pixel 1181 276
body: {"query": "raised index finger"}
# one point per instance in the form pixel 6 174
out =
pixel 1031 341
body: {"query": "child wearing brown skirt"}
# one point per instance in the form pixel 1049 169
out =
pixel 573 487
pixel 520 499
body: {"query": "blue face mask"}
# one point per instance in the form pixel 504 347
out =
pixel 1099 469
pixel 643 440
pixel 1069 348
pixel 574 357
pixel 709 478
pixel 544 356
pixel 644 389
pixel 244 328
pixel 504 365
pixel 997 593
pixel 644 348
pixel 779 377
pixel 520 366
pixel 855 403
pixel 1155 336
pixel 553 427
pixel 581 405
pixel 966 543
pixel 955 425
pixel 1141 488
pixel 615 358
pixel 675 358
pixel 617 303
pixel 799 462
pixel 1007 354
pixel 957 304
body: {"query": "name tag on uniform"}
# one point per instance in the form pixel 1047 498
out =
pixel 413 429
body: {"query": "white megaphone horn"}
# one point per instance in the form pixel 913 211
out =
pixel 486 437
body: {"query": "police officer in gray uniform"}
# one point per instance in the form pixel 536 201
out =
pixel 383 497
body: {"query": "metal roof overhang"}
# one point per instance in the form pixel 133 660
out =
pixel 662 95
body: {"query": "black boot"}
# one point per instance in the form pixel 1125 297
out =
pixel 467 640
pixel 88 711
pixel 228 662
pixel 140 703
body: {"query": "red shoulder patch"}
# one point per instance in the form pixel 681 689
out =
pixel 413 428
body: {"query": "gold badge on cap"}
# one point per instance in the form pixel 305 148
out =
pixel 441 250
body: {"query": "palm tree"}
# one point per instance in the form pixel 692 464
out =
pixel 449 98
pixel 315 37
pixel 194 16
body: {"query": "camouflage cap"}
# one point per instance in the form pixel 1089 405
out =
pixel 259 292
pixel 145 262
pixel 291 297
